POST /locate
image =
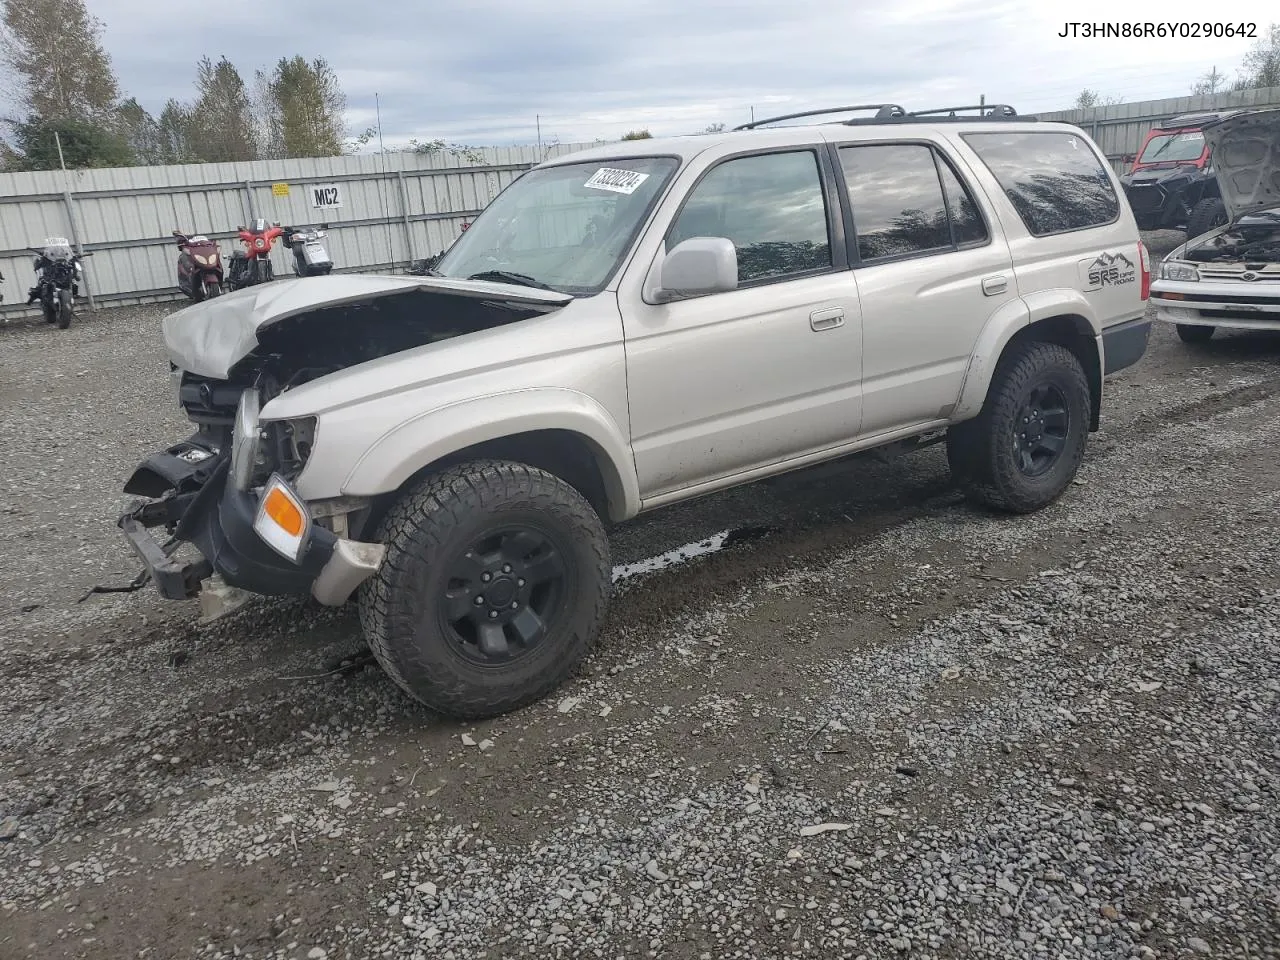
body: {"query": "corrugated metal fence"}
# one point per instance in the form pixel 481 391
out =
pixel 1120 129
pixel 394 208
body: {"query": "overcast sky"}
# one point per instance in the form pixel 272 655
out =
pixel 480 71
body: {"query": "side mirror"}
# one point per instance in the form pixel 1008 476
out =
pixel 698 266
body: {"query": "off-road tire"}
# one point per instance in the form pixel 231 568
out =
pixel 1208 213
pixel 1195 332
pixel 66 308
pixel 981 450
pixel 431 523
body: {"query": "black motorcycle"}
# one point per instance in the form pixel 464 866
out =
pixel 58 276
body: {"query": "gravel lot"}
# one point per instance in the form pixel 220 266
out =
pixel 875 722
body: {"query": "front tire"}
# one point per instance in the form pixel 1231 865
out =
pixel 1024 448
pixel 492 591
pixel 65 309
pixel 1195 332
pixel 213 289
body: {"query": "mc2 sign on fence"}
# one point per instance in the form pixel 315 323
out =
pixel 326 195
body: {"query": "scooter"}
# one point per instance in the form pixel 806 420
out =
pixel 199 266
pixel 252 265
pixel 58 275
pixel 310 258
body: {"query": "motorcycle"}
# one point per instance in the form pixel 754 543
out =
pixel 199 266
pixel 58 275
pixel 310 258
pixel 252 265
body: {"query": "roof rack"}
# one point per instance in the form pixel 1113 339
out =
pixel 984 110
pixel 884 111
pixel 1195 119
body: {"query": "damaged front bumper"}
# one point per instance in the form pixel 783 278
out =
pixel 190 497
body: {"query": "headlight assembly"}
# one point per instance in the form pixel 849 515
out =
pixel 1179 271
pixel 245 440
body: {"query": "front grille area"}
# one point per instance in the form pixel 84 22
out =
pixel 1146 199
pixel 1236 271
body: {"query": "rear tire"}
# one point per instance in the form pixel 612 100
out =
pixel 1023 449
pixel 448 615
pixel 65 309
pixel 1195 333
pixel 1208 213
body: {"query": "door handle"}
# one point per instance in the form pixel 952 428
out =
pixel 827 319
pixel 993 285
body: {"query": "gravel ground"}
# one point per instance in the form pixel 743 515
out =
pixel 856 718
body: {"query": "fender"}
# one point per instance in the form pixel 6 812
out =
pixel 417 443
pixel 1004 325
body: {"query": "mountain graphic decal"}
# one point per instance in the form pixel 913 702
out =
pixel 1111 269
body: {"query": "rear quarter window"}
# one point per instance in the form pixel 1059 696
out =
pixel 1055 181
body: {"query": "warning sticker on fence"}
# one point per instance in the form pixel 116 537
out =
pixel 279 189
pixel 616 181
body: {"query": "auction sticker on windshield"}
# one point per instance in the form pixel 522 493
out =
pixel 617 181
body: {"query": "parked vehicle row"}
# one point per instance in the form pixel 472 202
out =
pixel 200 266
pixel 1229 277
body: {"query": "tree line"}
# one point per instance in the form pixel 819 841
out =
pixel 1259 68
pixel 53 60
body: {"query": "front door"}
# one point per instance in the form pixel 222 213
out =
pixel 723 383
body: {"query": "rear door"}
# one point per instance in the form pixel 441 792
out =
pixel 931 270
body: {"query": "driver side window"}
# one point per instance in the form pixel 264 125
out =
pixel 771 206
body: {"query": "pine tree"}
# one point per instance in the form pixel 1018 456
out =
pixel 221 127
pixel 173 131
pixel 140 131
pixel 301 108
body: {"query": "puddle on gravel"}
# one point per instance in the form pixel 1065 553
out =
pixel 699 548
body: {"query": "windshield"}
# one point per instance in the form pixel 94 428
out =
pixel 1173 147
pixel 566 227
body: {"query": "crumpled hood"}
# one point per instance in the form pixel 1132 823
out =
pixel 1246 158
pixel 211 337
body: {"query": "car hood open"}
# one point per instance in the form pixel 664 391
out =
pixel 1246 157
pixel 211 337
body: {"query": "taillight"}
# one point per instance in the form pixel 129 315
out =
pixel 1146 270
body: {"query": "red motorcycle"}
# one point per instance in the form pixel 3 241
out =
pixel 199 266
pixel 253 264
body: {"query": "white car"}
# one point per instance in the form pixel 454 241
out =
pixel 1230 276
pixel 630 327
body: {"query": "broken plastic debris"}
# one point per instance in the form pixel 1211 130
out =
pixel 328 786
pixel 817 828
pixel 568 703
pixel 468 740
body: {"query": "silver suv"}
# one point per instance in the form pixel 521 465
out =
pixel 630 327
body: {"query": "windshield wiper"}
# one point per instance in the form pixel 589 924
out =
pixel 506 276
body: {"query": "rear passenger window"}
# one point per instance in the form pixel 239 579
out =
pixel 771 206
pixel 907 200
pixel 1054 180
pixel 966 218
